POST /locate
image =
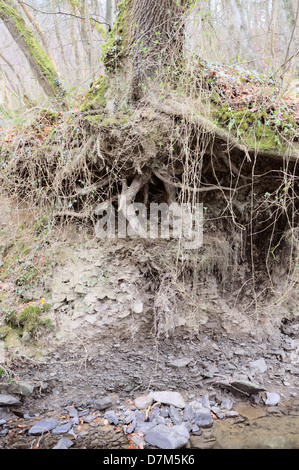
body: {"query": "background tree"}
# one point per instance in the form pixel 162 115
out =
pixel 37 58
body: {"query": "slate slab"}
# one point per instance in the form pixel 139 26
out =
pixel 43 426
pixel 169 398
pixel 7 400
pixel 163 437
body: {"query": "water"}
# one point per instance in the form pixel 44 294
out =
pixel 265 431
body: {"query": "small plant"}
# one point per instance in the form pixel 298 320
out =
pixel 30 319
pixel 10 317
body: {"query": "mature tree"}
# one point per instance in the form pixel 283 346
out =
pixel 38 60
pixel 147 36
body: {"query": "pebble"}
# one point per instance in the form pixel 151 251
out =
pixel 272 398
pixel 64 443
pixel 231 414
pixel 178 363
pixel 129 418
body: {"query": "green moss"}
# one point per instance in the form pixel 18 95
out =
pixel 47 323
pixel 30 320
pixel 95 97
pixel 37 54
pixel 4 332
pixel 46 308
pixel 10 317
pixel 116 47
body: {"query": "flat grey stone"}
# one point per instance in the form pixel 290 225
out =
pixel 227 404
pixel 154 414
pixel 131 428
pixel 64 443
pixel 43 426
pixel 144 401
pixel 62 429
pixel 60 445
pixel 144 427
pixel 163 437
pixel 272 398
pixel 178 363
pixel 104 403
pixel 138 441
pixel 169 398
pixel 2 421
pixel 129 418
pixel 89 418
pixel 231 414
pixel 72 411
pixel 182 430
pixel 175 415
pixel 188 413
pixel 203 418
pixel 7 400
pixel 206 402
pixel 259 365
pixel 111 417
pixel 21 388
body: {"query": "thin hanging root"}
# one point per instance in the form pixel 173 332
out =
pixel 125 202
pixel 166 179
pixel 76 215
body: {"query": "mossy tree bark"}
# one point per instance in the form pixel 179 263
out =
pixel 147 36
pixel 38 60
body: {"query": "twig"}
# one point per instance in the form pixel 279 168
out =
pixel 65 14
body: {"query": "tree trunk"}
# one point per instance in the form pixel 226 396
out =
pixel 38 60
pixel 146 37
pixel 40 33
pixel 244 34
pixel 109 13
pixel 58 35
